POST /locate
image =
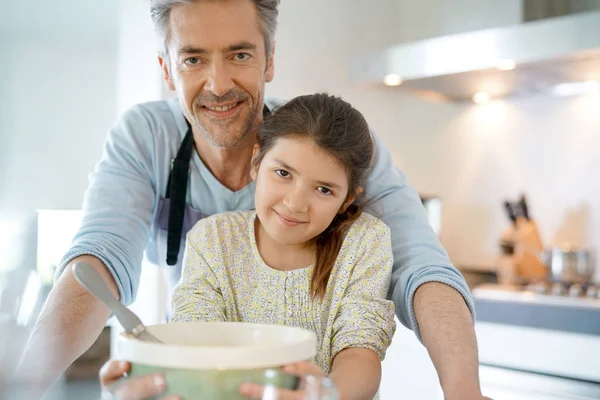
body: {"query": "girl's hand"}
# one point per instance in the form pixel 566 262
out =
pixel 312 380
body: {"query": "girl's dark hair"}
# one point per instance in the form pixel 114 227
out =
pixel 338 128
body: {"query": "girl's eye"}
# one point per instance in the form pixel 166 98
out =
pixel 324 190
pixel 282 172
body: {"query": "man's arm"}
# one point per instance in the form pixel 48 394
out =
pixel 117 213
pixel 443 317
pixel 68 325
pixel 447 331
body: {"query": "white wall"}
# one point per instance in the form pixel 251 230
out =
pixel 57 102
pixel 317 39
pixel 430 18
pixel 60 114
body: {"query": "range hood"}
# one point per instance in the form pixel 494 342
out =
pixel 556 56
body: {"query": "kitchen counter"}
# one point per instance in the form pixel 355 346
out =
pixel 548 334
pixel 87 389
pixel 525 309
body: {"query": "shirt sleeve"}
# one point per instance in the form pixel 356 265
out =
pixel 197 297
pixel 118 204
pixel 418 254
pixel 365 318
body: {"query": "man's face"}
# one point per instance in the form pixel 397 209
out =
pixel 218 66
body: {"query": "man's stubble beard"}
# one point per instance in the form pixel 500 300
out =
pixel 251 123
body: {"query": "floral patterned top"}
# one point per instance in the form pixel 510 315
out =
pixel 225 279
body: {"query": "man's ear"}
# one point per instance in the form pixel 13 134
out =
pixel 350 199
pixel 270 71
pixel 164 65
pixel 254 168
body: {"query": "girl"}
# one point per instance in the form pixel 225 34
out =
pixel 306 256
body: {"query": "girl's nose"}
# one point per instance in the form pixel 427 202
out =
pixel 296 202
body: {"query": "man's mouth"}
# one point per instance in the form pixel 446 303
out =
pixel 222 111
pixel 222 108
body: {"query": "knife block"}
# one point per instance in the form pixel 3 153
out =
pixel 520 258
pixel 528 251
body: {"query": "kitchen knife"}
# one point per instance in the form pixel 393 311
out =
pixel 524 207
pixel 510 212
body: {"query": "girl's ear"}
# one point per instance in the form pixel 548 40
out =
pixel 350 199
pixel 254 168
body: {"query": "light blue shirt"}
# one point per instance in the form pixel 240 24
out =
pixel 123 203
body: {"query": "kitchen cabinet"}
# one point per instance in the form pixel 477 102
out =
pixel 507 384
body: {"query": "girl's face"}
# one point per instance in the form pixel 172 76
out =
pixel 299 190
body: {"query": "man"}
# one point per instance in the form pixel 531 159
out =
pixel 217 56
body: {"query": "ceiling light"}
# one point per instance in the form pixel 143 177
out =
pixel 481 97
pixel 574 88
pixel 392 80
pixel 506 64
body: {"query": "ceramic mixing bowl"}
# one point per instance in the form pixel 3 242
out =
pixel 209 360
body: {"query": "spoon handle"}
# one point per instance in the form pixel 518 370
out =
pixel 89 278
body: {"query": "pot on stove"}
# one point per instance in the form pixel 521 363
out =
pixel 569 264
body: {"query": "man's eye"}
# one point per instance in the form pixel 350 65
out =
pixel 282 172
pixel 242 56
pixel 324 190
pixel 192 61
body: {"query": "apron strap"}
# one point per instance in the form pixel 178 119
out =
pixel 177 192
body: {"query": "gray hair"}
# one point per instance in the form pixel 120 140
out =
pixel 160 11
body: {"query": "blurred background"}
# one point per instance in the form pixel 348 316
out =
pixel 469 132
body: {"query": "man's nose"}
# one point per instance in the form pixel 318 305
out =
pixel 219 80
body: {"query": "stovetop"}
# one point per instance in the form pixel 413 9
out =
pixel 575 290
pixel 550 293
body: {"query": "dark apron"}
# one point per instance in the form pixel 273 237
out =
pixel 176 195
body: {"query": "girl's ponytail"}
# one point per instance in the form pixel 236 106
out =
pixel 328 245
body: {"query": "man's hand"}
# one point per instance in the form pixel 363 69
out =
pixel 468 392
pixel 465 395
pixel 139 388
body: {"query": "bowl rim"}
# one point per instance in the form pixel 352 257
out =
pixel 218 357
